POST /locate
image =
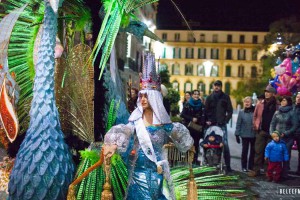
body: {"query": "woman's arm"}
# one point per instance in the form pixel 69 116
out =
pixel 118 138
pixel 181 137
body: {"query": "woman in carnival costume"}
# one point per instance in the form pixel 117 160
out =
pixel 141 141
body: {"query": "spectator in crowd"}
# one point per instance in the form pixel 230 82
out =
pixel 166 102
pixel 285 123
pixel 275 153
pixel 218 111
pixel 262 118
pixel 132 99
pixel 187 96
pixel 212 145
pixel 244 129
pixel 297 132
pixel 193 112
pixel 202 97
pixel 260 98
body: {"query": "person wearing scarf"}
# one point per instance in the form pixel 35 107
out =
pixel 193 111
pixel 285 122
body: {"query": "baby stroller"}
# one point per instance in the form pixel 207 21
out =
pixel 213 154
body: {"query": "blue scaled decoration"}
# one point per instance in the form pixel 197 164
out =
pixel 43 168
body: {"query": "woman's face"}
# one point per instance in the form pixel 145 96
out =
pixel 298 99
pixel 187 96
pixel 283 102
pixel 133 94
pixel 195 95
pixel 247 103
pixel 144 101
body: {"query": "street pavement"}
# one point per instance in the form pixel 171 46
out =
pixel 264 189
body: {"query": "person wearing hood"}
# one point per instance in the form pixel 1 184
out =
pixel 193 112
pixel 275 153
pixel 212 145
pixel 141 141
pixel 244 129
pixel 285 122
pixel 218 112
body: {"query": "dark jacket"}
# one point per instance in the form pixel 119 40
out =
pixel 276 151
pixel 297 116
pixel 284 121
pixel 214 144
pixel 189 112
pixel 218 109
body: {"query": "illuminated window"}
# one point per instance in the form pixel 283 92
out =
pixel 214 54
pixel 228 71
pixel 227 88
pixel 189 53
pixel 253 72
pixel 202 38
pixel 188 69
pixel 241 70
pixel 201 70
pixel 254 54
pixel 176 52
pixel 177 37
pixel 175 85
pixel 176 69
pixel 164 36
pixel 215 38
pixel 242 39
pixel 254 39
pixel 214 71
pixel 241 54
pixel 201 53
pixel 228 54
pixel 188 86
pixel 229 38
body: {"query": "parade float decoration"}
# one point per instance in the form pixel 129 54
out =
pixel 9 90
pixel 43 167
pixel 286 75
pixel 5 169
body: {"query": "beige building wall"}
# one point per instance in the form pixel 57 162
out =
pixel 190 68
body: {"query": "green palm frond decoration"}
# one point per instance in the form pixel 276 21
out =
pixel 24 38
pixel 91 186
pixel 20 53
pixel 210 184
pixel 112 114
pixel 116 12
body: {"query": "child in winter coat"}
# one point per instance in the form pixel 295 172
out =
pixel 212 145
pixel 276 152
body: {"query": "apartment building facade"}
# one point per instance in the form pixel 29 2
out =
pixel 195 60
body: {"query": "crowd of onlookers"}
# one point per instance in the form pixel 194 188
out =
pixel 266 130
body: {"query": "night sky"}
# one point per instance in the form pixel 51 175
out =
pixel 245 15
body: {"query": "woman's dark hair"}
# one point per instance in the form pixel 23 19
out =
pixel 135 90
pixel 195 91
pixel 188 92
pixel 288 99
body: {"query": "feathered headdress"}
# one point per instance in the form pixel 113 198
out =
pixel 149 79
